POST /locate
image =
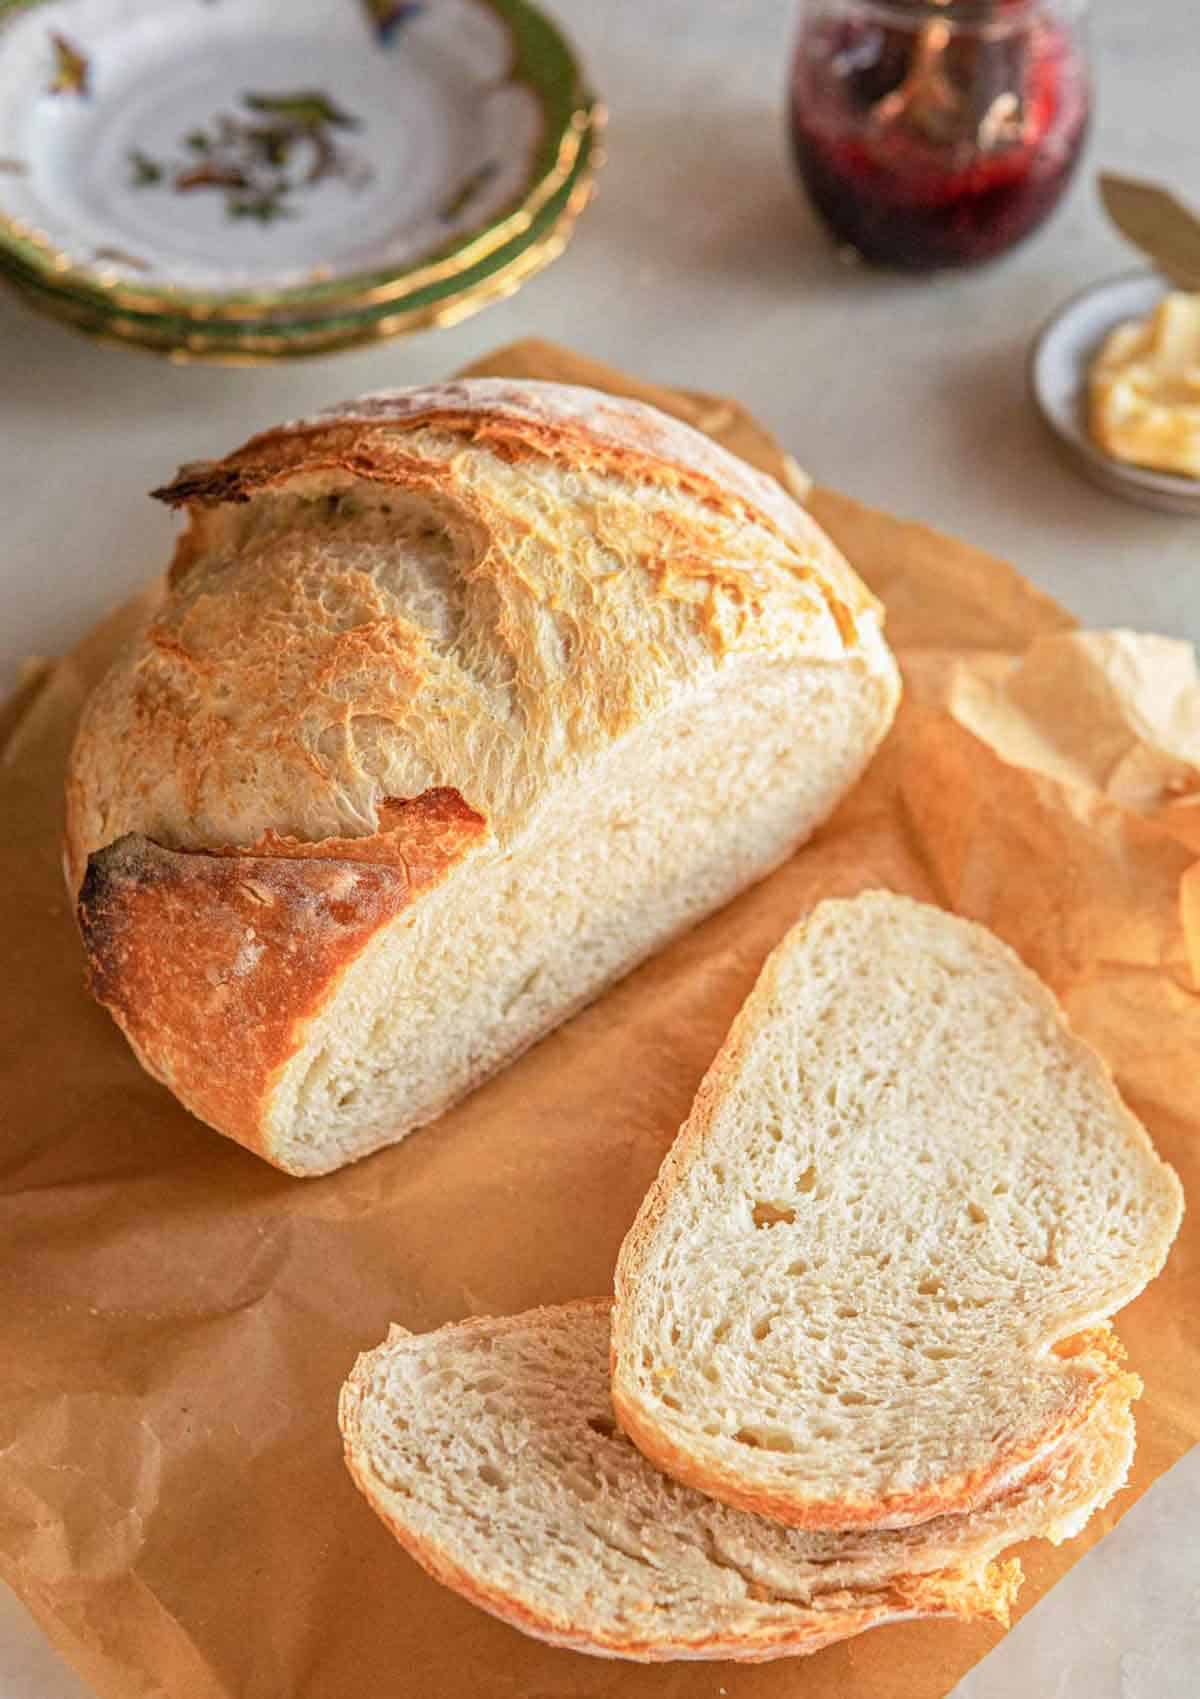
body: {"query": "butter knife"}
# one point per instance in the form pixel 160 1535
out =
pixel 1154 221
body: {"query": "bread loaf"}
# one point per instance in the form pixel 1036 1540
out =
pixel 870 1283
pixel 490 1450
pixel 461 701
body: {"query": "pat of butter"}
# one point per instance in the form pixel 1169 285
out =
pixel 1144 389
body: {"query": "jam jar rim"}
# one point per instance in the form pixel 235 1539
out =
pixel 994 17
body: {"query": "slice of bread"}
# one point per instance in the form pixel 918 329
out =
pixel 867 1285
pixel 490 1450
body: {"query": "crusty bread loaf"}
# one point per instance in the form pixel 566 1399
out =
pixel 870 1281
pixel 462 701
pixel 490 1450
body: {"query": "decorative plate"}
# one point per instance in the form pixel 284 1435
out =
pixel 242 160
pixel 1058 373
pixel 245 342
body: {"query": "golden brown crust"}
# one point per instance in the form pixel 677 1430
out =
pixel 257 695
pixel 213 963
pixel 423 835
pixel 364 441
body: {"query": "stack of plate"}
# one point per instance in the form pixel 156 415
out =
pixel 239 180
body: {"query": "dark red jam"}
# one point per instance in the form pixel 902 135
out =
pixel 953 173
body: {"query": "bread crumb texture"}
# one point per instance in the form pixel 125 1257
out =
pixel 871 1282
pixel 491 1450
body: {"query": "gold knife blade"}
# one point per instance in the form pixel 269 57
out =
pixel 1157 223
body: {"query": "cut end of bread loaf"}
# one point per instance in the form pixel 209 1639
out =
pixel 870 1283
pixel 490 1450
pixel 641 673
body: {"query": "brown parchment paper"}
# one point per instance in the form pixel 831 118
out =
pixel 176 1318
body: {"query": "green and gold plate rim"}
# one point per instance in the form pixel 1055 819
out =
pixel 543 61
pixel 495 277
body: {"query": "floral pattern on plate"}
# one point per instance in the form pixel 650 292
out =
pixel 263 160
pixel 252 153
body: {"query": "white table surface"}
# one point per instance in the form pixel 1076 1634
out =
pixel 699 264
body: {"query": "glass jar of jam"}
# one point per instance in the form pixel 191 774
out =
pixel 933 133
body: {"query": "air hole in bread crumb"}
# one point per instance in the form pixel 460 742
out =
pixel 976 1215
pixel 349 1096
pixel 930 1286
pixel 852 1398
pixel 939 1353
pixel 670 1402
pixel 765 1439
pixel 763 1327
pixel 848 1313
pixel 721 1333
pixel 798 1267
pixel 807 1180
pixel 491 1476
pixel 924 1156
pixel 999 1189
pixel 1049 1257
pixel 775 1133
pixel 711 1373
pixel 770 1214
pixel 831 1096
pixel 603 1425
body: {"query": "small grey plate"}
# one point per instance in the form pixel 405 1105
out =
pixel 1058 367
